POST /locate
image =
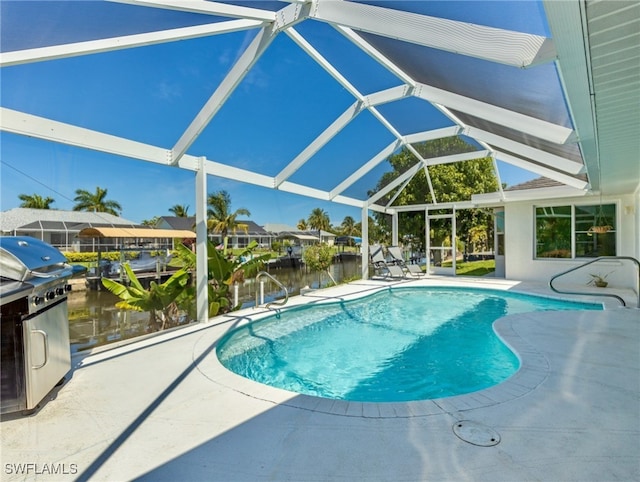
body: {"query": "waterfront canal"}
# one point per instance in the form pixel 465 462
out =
pixel 95 321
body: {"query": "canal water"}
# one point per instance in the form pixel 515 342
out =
pixel 94 319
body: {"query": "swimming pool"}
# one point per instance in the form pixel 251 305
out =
pixel 399 344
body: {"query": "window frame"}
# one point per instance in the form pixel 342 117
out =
pixel 573 233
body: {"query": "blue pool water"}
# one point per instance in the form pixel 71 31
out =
pixel 400 344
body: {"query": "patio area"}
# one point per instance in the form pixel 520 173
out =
pixel 163 408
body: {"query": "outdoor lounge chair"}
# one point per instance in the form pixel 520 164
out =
pixel 396 255
pixel 380 263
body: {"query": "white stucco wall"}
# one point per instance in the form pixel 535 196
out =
pixel 520 263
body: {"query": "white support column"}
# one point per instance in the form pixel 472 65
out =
pixel 394 228
pixel 202 294
pixel 427 241
pixel 364 247
pixel 454 240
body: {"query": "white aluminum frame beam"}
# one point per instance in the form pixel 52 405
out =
pixel 287 16
pixel 543 171
pixel 418 156
pixel 202 281
pixel 369 102
pixel 336 126
pixel 464 156
pixel 365 168
pixel 127 41
pixel 408 174
pixel 432 135
pixel 447 205
pixel 41 128
pixel 238 72
pixel 488 43
pixel 323 62
pixel 555 192
pixel 388 95
pixel 342 121
pixel 498 115
pixel 541 157
pixel 206 7
pixel 398 192
pixel 389 150
pixel 375 54
pixel 496 173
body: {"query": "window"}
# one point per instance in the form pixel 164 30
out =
pixel 499 226
pixel 567 231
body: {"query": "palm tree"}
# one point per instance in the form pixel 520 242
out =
pixel 180 210
pixel 348 226
pixel 302 225
pixel 319 219
pixel 86 201
pixel 150 222
pixel 220 219
pixel 35 201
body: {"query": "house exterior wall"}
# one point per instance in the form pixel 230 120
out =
pixel 520 261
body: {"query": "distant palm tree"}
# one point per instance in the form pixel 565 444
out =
pixel 302 225
pixel 86 201
pixel 35 201
pixel 348 226
pixel 180 210
pixel 319 219
pixel 220 219
pixel 150 222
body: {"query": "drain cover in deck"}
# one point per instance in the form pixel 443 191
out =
pixel 475 433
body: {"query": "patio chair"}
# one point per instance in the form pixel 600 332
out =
pixel 380 263
pixel 396 255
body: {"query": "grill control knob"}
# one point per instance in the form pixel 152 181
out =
pixel 60 291
pixel 38 300
pixel 50 295
pixel 67 288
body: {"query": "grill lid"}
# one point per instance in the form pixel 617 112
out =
pixel 24 257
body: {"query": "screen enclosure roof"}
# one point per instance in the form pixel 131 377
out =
pixel 322 92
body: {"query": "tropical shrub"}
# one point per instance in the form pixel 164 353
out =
pixel 318 258
pixel 222 273
pixel 162 301
pixel 89 257
pixel 170 302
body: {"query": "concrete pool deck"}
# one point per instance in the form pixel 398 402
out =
pixel 163 408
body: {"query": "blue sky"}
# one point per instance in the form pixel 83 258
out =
pixel 150 94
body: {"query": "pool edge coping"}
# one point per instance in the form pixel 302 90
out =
pixel 534 369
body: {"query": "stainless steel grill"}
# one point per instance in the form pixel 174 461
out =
pixel 34 320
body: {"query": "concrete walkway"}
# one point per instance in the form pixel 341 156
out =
pixel 165 409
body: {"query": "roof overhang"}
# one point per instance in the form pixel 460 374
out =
pixel 138 233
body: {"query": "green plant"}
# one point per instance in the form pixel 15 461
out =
pixel 162 301
pixel 88 257
pixel 318 258
pixel 222 273
pixel 599 280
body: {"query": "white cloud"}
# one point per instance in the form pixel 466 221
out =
pixel 166 91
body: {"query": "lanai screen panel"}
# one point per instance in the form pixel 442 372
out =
pixel 283 81
pixel 364 73
pixel 569 150
pixel 45 23
pixel 276 110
